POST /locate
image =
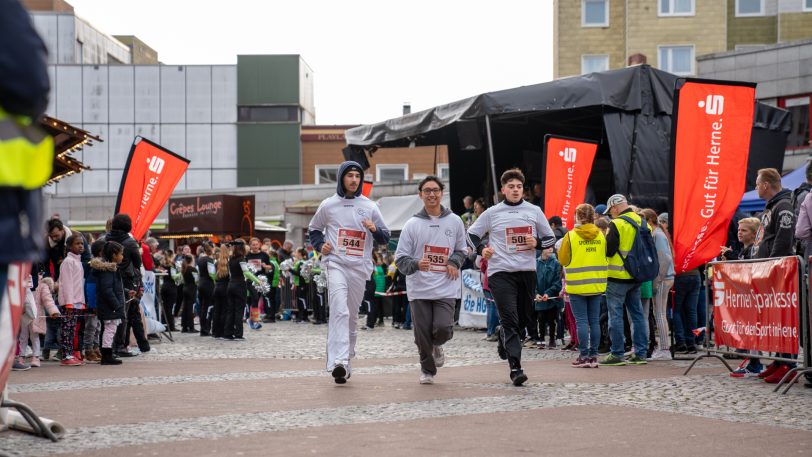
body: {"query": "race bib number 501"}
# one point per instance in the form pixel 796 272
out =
pixel 438 258
pixel 351 242
pixel 516 238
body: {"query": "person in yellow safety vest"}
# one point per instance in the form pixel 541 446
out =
pixel 583 256
pixel 622 290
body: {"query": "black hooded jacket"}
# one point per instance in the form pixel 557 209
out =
pixel 775 236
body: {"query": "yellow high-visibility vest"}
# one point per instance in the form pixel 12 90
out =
pixel 587 272
pixel 627 233
pixel 26 153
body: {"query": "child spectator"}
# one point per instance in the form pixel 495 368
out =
pixel 72 299
pixel 548 288
pixel 109 296
pixel 92 325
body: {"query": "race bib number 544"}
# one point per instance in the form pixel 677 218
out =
pixel 516 238
pixel 351 242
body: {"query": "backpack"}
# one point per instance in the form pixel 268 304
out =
pixel 641 262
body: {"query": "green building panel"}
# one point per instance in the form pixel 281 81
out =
pixel 796 26
pixel 749 30
pixel 269 154
pixel 268 80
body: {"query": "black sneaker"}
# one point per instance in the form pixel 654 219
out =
pixel 339 374
pixel 500 345
pixel 690 350
pixel 680 349
pixel 518 377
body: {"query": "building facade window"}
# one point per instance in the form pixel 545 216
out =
pixel 678 60
pixel 326 174
pixel 749 8
pixel 595 13
pixel 594 63
pixel 443 171
pixel 807 5
pixel 392 172
pixel 268 114
pixel 676 8
pixel 800 135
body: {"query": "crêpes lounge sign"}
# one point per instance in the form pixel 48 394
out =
pixel 200 206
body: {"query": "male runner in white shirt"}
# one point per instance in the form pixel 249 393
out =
pixel 343 230
pixel 516 227
pixel 431 250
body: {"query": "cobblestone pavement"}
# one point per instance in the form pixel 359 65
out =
pixel 475 384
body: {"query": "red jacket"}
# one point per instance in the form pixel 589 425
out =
pixel 146 258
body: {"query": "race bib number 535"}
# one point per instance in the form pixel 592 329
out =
pixel 351 242
pixel 516 238
pixel 438 258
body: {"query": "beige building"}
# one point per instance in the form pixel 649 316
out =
pixel 599 35
pixel 321 156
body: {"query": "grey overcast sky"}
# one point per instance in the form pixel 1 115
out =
pixel 368 56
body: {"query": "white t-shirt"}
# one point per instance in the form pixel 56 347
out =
pixel 509 228
pixel 436 238
pixel 339 219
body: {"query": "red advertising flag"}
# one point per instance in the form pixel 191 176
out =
pixel 710 137
pixel 567 166
pixel 757 305
pixel 151 174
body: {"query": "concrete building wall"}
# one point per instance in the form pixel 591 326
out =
pixel 190 110
pixel 142 54
pixel 574 40
pixel 751 30
pixel 72 40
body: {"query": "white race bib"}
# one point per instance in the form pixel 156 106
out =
pixel 438 258
pixel 516 238
pixel 351 242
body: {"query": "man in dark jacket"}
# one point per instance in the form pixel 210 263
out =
pixel 775 239
pixel 130 269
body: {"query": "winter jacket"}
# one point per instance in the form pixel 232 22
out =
pixel 548 281
pixel 803 226
pixel 775 235
pixel 109 290
pixel 44 298
pixel 380 279
pixel 585 231
pixel 72 282
pixel 130 267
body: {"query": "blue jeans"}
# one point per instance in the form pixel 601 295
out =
pixel 618 294
pixel 53 327
pixel 407 322
pixel 701 312
pixel 587 312
pixel 491 314
pixel 686 299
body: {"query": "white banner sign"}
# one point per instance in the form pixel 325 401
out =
pixel 151 324
pixel 472 313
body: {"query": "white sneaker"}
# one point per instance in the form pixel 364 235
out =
pixel 426 378
pixel 439 356
pixel 660 354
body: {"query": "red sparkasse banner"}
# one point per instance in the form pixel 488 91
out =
pixel 568 164
pixel 757 305
pixel 150 177
pixel 710 135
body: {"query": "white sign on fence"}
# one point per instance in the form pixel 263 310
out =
pixel 472 313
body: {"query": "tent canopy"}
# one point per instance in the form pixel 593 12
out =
pixel 750 201
pixel 627 111
pixel 397 210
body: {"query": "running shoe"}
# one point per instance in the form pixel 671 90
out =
pixel 517 377
pixel 660 354
pixel 500 348
pixel 613 361
pixel 779 374
pixel 339 374
pixel 20 366
pixel 426 378
pixel 581 362
pixel 770 370
pixel 635 359
pixel 439 356
pixel 745 370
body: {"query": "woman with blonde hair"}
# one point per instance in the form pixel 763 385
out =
pixel 220 297
pixel 583 256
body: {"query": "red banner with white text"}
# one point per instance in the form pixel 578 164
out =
pixel 567 166
pixel 757 305
pixel 150 177
pixel 710 135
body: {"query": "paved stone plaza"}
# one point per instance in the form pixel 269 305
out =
pixel 269 395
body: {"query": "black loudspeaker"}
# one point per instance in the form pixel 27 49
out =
pixel 356 154
pixel 469 136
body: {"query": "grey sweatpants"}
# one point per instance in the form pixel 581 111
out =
pixel 433 323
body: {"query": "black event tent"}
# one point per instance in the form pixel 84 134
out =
pixel 628 111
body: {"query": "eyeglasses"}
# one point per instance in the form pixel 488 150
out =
pixel 435 191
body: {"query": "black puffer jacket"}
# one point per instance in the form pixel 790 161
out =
pixel 130 267
pixel 109 290
pixel 774 238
